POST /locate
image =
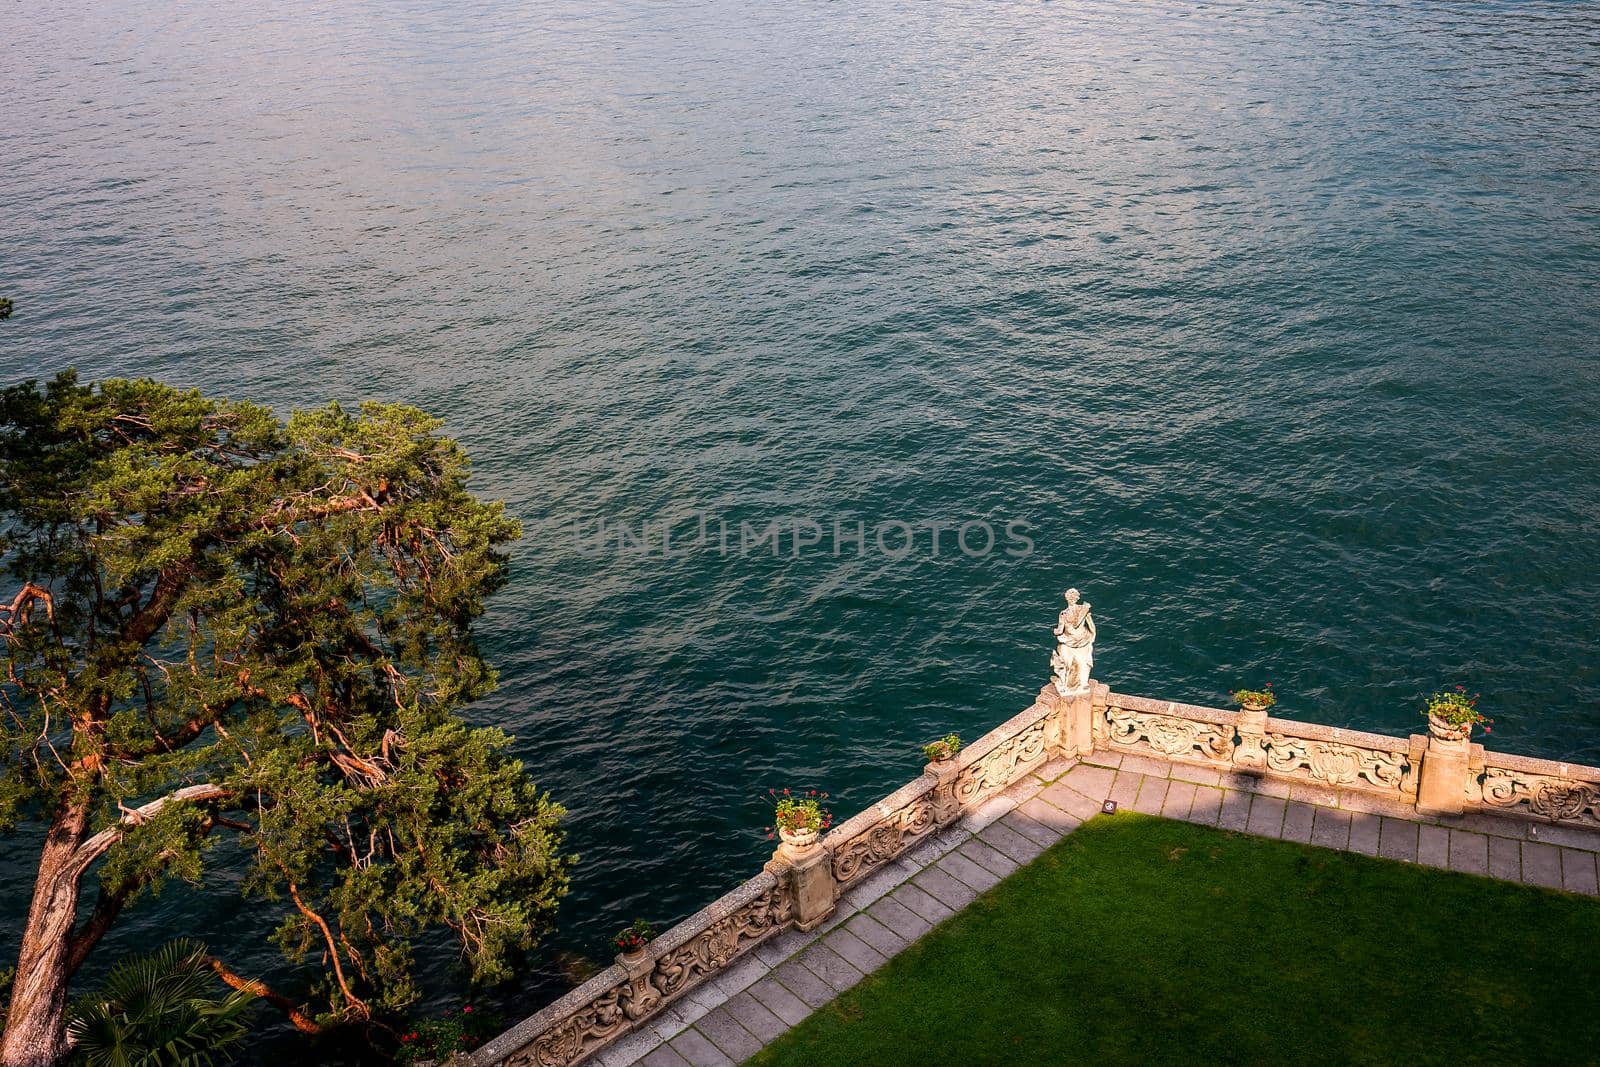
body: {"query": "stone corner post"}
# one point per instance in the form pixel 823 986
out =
pixel 807 869
pixel 1250 754
pixel 946 808
pixel 1446 772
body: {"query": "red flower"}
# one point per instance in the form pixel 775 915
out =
pixel 466 1007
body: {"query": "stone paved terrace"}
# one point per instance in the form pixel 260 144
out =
pixel 733 1016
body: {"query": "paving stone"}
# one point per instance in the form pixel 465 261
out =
pixel 690 1012
pixel 1125 790
pixel 695 1047
pixel 875 885
pixel 787 944
pixel 1397 840
pixel 1102 757
pixel 665 1056
pixel 913 897
pixel 1566 836
pixel 1135 763
pixel 1433 845
pixel 1505 858
pixel 964 870
pixel 1050 816
pixel 947 840
pixel 1053 769
pixel 1091 781
pixel 945 887
pixel 726 1033
pixel 1019 823
pixel 1297 822
pixel 670 1023
pixel 986 813
pixel 1003 838
pixel 756 1017
pixel 707 995
pixel 1069 800
pixel 1541 864
pixel 1364 833
pixel 1578 871
pixel 1469 853
pixel 821 960
pixel 800 981
pixel 1372 805
pixel 741 974
pixel 978 851
pixel 1025 788
pixel 1267 787
pixel 874 933
pixel 1321 796
pixel 1483 822
pixel 1207 806
pixel 630 1049
pixel 1235 810
pixel 856 952
pixel 1152 794
pixel 1331 828
pixel 1180 796
pixel 1266 816
pixel 840 915
pixel 1183 772
pixel 899 918
pixel 781 1001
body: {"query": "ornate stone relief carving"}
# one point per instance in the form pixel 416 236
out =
pixel 1556 799
pixel 1169 735
pixel 618 1007
pixel 1003 765
pixel 884 841
pixel 1336 764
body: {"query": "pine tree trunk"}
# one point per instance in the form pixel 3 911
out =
pixel 35 1034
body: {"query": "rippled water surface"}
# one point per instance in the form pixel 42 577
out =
pixel 1278 324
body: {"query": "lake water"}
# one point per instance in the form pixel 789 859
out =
pixel 1277 324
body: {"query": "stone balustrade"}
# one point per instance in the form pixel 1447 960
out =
pixel 800 886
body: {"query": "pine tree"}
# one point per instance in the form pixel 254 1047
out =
pixel 226 632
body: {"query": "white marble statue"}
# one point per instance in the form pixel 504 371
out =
pixel 1074 654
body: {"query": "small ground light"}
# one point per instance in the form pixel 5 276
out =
pixel 1109 807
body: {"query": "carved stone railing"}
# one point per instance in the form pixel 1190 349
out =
pixel 862 844
pixel 1160 729
pixel 1343 759
pixel 1534 788
pixel 799 889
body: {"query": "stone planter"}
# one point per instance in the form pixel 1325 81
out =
pixel 631 959
pixel 1252 707
pixel 1447 734
pixel 798 839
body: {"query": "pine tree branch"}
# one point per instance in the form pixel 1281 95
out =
pixel 302 1022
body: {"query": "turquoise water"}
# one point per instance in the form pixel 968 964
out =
pixel 1278 325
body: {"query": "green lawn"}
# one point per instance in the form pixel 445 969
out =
pixel 1139 940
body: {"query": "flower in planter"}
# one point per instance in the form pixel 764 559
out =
pixel 1261 698
pixel 635 937
pixel 1455 707
pixel 942 749
pixel 796 813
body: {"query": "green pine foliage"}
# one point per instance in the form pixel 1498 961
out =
pixel 277 619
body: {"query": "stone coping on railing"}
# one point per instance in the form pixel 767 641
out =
pixel 800 887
